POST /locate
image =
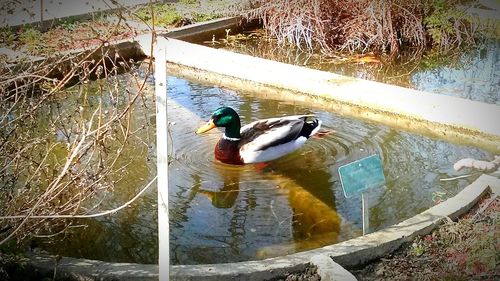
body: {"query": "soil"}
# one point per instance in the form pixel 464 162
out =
pixel 309 274
pixel 467 249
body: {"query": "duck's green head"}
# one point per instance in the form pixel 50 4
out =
pixel 223 117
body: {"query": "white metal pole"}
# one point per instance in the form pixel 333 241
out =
pixel 366 214
pixel 160 74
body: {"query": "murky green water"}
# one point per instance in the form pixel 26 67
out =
pixel 223 214
pixel 220 213
pixel 474 74
pixel 131 234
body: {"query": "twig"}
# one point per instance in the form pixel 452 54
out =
pixel 83 216
pixel 39 180
pixel 484 207
pixel 459 177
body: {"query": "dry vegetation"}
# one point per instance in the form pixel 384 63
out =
pixel 361 26
pixel 466 249
pixel 57 163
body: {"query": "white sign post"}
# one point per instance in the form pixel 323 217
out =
pixel 366 214
pixel 160 74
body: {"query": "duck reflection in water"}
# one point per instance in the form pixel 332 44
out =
pixel 315 222
pixel 226 196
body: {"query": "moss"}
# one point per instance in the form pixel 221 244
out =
pixel 7 36
pixel 165 14
pixel 199 17
pixel 68 23
pixel 33 40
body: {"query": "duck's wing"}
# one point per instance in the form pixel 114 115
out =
pixel 266 133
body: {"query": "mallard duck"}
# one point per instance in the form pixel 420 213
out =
pixel 260 141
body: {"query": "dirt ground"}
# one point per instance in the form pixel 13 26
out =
pixel 310 274
pixel 467 249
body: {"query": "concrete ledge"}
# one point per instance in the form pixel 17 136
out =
pixel 455 119
pixel 202 31
pixel 90 270
pixel 377 244
pixel 330 270
pixel 353 252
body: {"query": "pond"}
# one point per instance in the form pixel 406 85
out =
pixel 474 74
pixel 221 213
pixel 226 214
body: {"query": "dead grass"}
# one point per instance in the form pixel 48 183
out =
pixel 467 249
pixel 65 36
pixel 362 26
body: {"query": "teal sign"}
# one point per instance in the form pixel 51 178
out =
pixel 361 175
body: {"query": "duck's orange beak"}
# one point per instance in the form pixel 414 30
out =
pixel 207 127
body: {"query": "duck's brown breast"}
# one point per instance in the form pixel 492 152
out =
pixel 228 152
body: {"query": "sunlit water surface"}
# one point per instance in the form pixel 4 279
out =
pixel 221 213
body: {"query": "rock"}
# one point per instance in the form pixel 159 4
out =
pixel 330 270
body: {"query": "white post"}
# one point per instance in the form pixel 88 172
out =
pixel 160 74
pixel 366 214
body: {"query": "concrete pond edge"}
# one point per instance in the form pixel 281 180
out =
pixel 350 253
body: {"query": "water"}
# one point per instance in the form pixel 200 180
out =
pixel 226 214
pixel 474 74
pixel 220 213
pixel 121 236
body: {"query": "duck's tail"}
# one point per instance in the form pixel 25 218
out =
pixel 310 128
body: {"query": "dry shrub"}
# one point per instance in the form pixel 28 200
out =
pixel 58 161
pixel 361 26
pixel 384 25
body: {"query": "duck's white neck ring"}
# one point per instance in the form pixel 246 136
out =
pixel 228 138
